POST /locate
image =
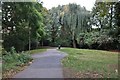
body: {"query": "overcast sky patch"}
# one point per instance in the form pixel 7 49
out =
pixel 54 3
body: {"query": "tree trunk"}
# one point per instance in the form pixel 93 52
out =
pixel 73 40
pixel 42 43
pixel 53 39
pixel 74 43
pixel 29 39
pixel 111 14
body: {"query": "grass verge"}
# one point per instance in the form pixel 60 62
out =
pixel 84 63
pixel 36 51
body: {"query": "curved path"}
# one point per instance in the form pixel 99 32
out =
pixel 45 65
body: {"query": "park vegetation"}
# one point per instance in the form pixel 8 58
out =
pixel 14 62
pixel 86 63
pixel 73 26
pixel 29 25
pixel 22 28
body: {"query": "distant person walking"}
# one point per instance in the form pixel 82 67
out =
pixel 59 46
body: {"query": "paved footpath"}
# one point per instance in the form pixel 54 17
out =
pixel 45 65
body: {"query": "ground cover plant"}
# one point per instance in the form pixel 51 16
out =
pixel 12 61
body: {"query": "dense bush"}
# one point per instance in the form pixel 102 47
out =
pixel 88 40
pixel 99 40
pixel 12 59
pixel 17 40
pixel 62 42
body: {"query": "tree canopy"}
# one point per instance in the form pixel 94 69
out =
pixel 27 25
pixel 71 25
pixel 21 21
pixel 71 19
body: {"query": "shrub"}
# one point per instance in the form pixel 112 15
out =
pixel 98 40
pixel 12 59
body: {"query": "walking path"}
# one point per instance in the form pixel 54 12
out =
pixel 45 65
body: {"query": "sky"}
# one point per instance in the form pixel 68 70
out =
pixel 54 3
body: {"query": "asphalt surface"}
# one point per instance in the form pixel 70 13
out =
pixel 45 65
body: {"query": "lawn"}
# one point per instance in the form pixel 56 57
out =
pixel 91 63
pixel 36 51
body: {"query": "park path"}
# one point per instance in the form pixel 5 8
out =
pixel 45 65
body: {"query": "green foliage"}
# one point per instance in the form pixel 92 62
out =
pixel 13 59
pixel 63 42
pixel 66 22
pixel 22 18
pixel 107 30
pixel 91 38
pixel 116 32
pixel 99 40
pixel 72 25
pixel 77 22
